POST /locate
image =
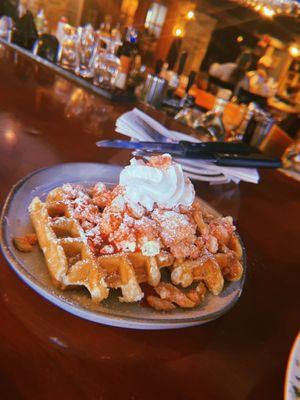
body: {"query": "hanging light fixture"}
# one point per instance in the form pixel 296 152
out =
pixel 178 31
pixel 268 11
pixel 190 15
pixel 271 8
pixel 294 50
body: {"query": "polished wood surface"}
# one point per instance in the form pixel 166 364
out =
pixel 46 353
pixel 278 105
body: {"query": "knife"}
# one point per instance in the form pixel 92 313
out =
pixel 182 148
pixel 220 153
pixel 255 160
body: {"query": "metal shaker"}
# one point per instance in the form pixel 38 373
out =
pixel 264 123
pixel 154 90
pixel 256 125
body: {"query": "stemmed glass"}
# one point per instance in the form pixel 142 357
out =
pixel 106 63
pixel 86 47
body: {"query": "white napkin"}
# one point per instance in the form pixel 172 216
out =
pixel 129 124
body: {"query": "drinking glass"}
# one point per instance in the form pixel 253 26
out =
pixel 67 56
pixel 6 25
pixel 86 48
pixel 188 116
pixel 106 63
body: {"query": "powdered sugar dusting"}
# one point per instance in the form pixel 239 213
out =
pixel 114 223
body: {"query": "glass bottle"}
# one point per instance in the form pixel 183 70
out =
pixel 60 29
pixel 6 26
pixel 212 120
pixel 40 21
pixel 68 50
pixel 128 50
pixel 246 128
pixel 85 51
pixel 136 76
pixel 116 33
pixel 106 64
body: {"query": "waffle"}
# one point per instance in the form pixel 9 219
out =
pixel 65 248
pixel 71 262
pixel 201 252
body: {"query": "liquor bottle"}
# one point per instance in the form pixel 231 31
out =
pixel 60 29
pixel 107 27
pixel 174 53
pixel 212 120
pixel 129 49
pixel 40 21
pixel 188 100
pixel 116 33
pixel 136 76
pixel 103 31
pixel 102 28
pixel 182 62
pixel 174 77
pixel 246 129
pixel 164 71
pixel 179 108
pixel 127 53
pixel 25 33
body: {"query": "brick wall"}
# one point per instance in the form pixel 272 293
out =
pixel 55 9
pixel 197 33
pixel 196 40
pixel 74 9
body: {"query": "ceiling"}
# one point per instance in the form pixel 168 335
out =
pixel 231 14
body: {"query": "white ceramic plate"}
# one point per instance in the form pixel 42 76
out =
pixel 32 269
pixel 292 378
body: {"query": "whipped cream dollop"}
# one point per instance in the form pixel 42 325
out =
pixel 164 184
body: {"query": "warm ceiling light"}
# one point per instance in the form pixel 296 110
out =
pixel 271 8
pixel 178 32
pixel 268 12
pixel 294 51
pixel 190 15
pixel 240 39
pixel 10 136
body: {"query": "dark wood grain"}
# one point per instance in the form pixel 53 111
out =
pixel 46 353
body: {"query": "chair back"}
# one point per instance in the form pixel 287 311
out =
pixel 216 83
pixel 204 100
pixel 246 97
pixel 275 142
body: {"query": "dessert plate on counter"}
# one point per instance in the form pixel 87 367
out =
pixel 292 377
pixel 31 267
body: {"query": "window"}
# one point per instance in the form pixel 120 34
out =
pixel 155 18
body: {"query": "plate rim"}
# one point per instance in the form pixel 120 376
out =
pixel 289 366
pixel 78 310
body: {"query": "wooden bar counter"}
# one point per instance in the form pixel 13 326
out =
pixel 46 353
